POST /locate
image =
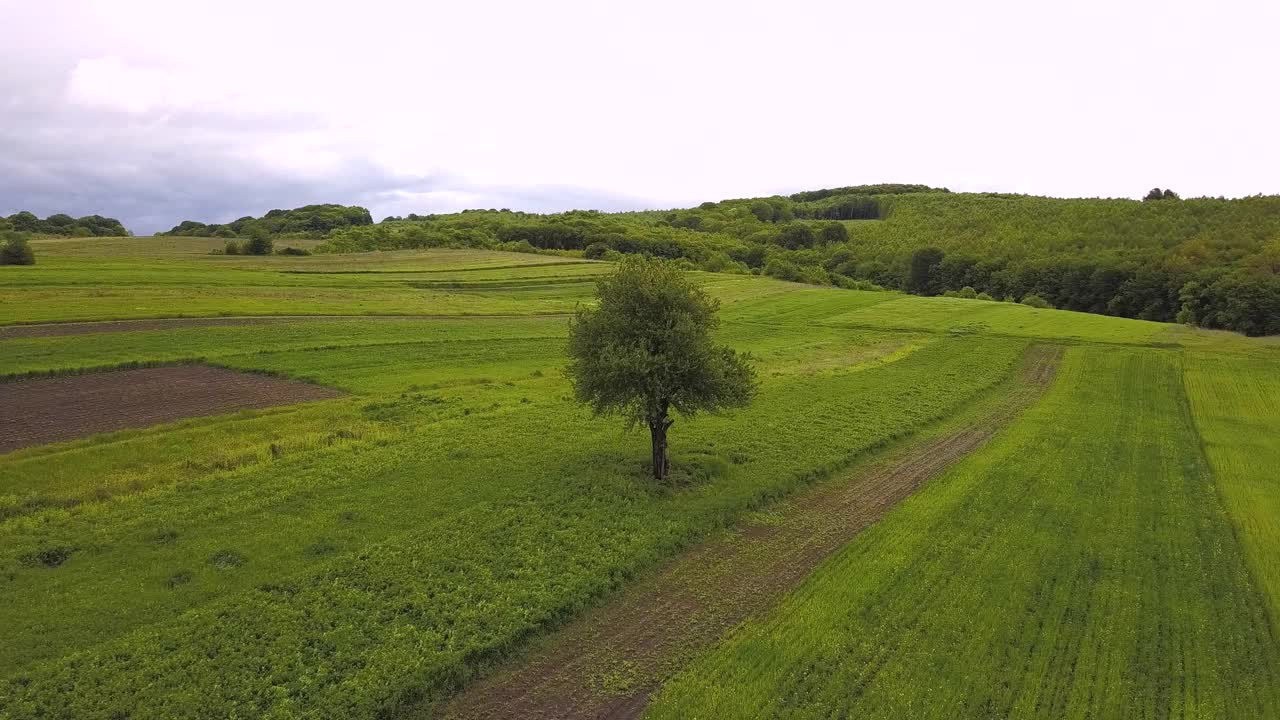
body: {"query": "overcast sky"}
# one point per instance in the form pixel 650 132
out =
pixel 158 111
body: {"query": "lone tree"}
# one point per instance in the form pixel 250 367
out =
pixel 645 351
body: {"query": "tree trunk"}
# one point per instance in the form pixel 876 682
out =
pixel 658 434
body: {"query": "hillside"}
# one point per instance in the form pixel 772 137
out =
pixel 1205 261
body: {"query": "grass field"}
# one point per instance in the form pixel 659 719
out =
pixel 1096 576
pixel 1112 552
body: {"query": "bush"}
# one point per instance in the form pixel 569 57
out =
pixel 16 250
pixel 293 251
pixel 1036 301
pixel 260 244
pixel 985 296
pixel 232 248
pixel 722 263
pixel 848 283
pixel 796 236
pixel 595 251
pixel 834 232
pixel 224 232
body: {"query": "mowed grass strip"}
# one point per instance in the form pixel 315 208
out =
pixel 142 281
pixel 349 583
pixel 1236 404
pixel 52 355
pixel 1080 566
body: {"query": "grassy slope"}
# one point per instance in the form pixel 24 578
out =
pixel 1074 568
pixel 1037 227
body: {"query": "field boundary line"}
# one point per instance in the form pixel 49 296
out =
pixel 177 321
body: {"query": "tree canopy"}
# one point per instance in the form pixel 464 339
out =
pixel 645 351
pixel 306 221
pixel 64 225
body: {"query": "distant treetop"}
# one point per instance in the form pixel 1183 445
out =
pixel 1158 194
pixel 883 189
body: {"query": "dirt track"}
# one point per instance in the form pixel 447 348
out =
pixel 605 664
pixel 46 410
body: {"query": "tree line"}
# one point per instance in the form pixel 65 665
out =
pixel 307 221
pixel 64 225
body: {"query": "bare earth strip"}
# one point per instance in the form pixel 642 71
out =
pixel 606 663
pixel 110 326
pixel 46 410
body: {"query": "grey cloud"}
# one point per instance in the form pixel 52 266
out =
pixel 152 170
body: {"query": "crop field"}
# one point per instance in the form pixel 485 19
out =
pixel 423 508
pixel 1095 577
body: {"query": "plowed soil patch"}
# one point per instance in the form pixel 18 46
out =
pixel 605 664
pixel 46 410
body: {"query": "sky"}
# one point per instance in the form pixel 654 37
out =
pixel 158 111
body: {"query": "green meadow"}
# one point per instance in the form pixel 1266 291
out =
pixel 1111 553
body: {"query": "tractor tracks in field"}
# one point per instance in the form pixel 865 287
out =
pixel 606 663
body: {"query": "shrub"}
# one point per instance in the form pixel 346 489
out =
pixel 1036 301
pixel 835 232
pixel 722 263
pixel 259 244
pixel 293 251
pixel 796 236
pixel 849 283
pixel 595 251
pixel 16 250
pixel 985 296
pixel 231 248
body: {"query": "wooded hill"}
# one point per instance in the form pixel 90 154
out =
pixel 1206 261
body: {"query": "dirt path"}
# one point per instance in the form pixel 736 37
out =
pixel 111 326
pixel 606 663
pixel 46 410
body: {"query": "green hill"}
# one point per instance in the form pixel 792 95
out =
pixel 1205 261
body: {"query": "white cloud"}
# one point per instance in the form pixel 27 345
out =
pixel 112 84
pixel 674 102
